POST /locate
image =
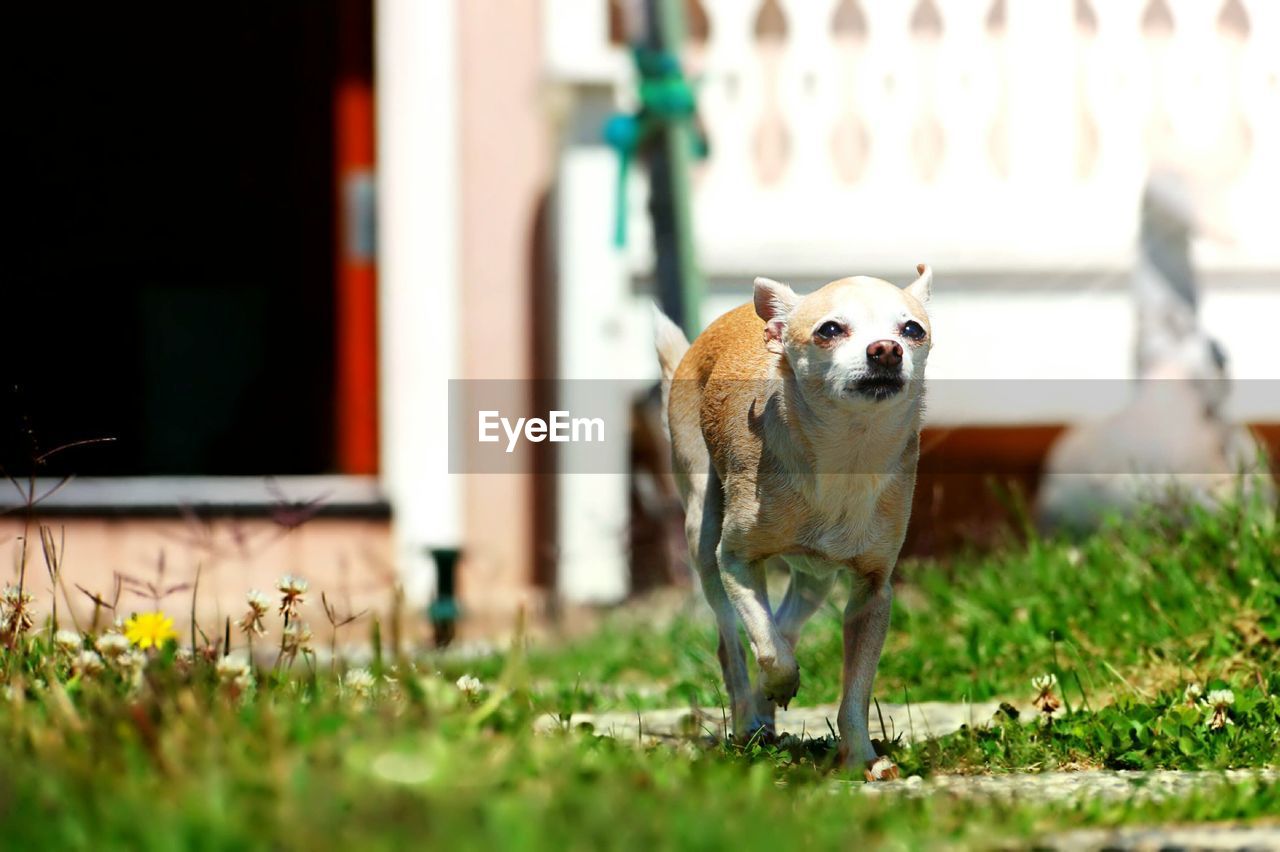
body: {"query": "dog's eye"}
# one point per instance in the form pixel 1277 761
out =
pixel 830 329
pixel 913 330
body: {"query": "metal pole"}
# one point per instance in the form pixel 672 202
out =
pixel 680 285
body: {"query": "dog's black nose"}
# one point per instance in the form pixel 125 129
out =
pixel 885 353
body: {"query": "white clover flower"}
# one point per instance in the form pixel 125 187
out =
pixel 87 663
pixel 112 645
pixel 68 641
pixel 1044 682
pixel 252 621
pixel 16 617
pixel 234 670
pixel 133 662
pixel 292 585
pixel 1192 693
pixel 1045 701
pixel 293 592
pixel 1217 703
pixel 360 681
pixel 1220 698
pixel 130 666
pixel 470 686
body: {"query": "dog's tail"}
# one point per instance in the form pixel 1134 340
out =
pixel 671 344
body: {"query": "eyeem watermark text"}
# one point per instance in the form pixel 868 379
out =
pixel 560 427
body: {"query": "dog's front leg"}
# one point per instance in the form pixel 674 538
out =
pixel 703 519
pixel 745 584
pixel 749 719
pixel 805 594
pixel 866 621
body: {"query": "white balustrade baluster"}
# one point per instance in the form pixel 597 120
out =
pixel 1237 146
pixel 1194 83
pixel 928 137
pixel 995 22
pixel 1253 197
pixel 1042 134
pixel 732 83
pixel 807 93
pixel 967 98
pixel 730 101
pixel 693 62
pixel 850 135
pixel 771 139
pixel 1088 131
pixel 1115 76
pixel 888 90
pixel 1115 84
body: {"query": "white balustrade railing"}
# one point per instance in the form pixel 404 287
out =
pixel 976 134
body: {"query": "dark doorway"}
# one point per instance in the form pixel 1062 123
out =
pixel 174 277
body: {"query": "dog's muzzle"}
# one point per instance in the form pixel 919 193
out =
pixel 879 385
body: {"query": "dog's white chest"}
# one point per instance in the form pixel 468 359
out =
pixel 844 513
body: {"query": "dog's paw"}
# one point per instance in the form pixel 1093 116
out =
pixel 756 730
pixel 779 680
pixel 881 769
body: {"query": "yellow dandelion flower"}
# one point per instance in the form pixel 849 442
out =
pixel 150 629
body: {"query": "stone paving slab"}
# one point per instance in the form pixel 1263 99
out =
pixel 1122 786
pixel 1179 837
pixel 1105 785
pixel 934 719
pixel 917 722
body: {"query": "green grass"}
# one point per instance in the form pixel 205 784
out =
pixel 1140 607
pixel 177 759
pixel 179 763
pixel 317 776
pixel 1169 732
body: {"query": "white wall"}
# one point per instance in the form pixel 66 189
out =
pixel 416 66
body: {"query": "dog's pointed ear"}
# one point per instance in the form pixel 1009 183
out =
pixel 921 287
pixel 774 302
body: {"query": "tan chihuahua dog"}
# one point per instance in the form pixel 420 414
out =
pixel 795 432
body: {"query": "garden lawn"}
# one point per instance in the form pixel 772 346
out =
pixel 1141 607
pixel 162 750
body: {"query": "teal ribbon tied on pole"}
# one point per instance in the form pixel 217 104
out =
pixel 666 98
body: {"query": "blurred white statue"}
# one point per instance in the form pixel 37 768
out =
pixel 1171 443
